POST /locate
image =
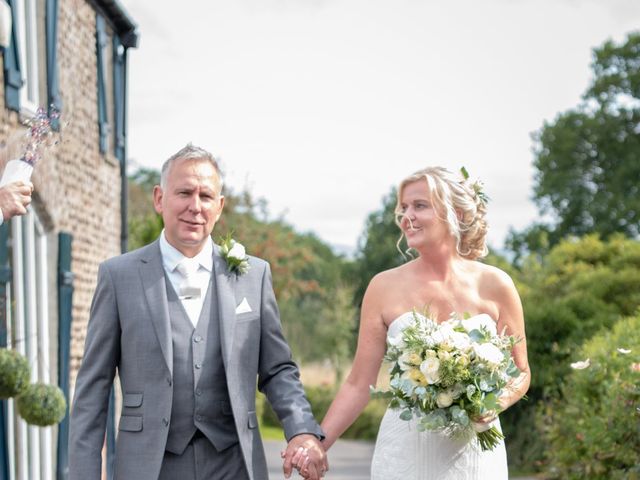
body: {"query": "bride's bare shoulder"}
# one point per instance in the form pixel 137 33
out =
pixel 493 279
pixel 392 276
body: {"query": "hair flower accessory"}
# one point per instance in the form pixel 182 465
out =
pixel 477 186
pixel 235 255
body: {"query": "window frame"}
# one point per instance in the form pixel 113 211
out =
pixel 30 447
pixel 28 54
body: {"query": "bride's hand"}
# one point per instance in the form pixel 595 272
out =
pixel 482 423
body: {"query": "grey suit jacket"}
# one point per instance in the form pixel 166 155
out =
pixel 129 331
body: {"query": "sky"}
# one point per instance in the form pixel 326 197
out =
pixel 322 106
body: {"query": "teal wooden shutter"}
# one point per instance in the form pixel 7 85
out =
pixel 5 277
pixel 12 76
pixel 65 303
pixel 53 86
pixel 103 118
pixel 120 127
pixel 119 97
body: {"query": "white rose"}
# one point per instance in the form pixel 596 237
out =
pixel 489 353
pixel 430 368
pixel 407 360
pixel 444 355
pixel 478 321
pixel 444 399
pixel 461 341
pixel 237 251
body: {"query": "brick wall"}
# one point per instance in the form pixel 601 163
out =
pixel 77 189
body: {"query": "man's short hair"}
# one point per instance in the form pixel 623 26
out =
pixel 189 152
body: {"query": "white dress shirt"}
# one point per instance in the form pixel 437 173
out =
pixel 171 256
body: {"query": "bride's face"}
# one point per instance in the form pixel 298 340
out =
pixel 420 221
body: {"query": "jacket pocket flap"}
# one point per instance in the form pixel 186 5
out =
pixel 253 420
pixel 132 400
pixel 130 423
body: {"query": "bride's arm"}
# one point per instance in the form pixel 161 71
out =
pixel 353 395
pixel 511 316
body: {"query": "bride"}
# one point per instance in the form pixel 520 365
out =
pixel 442 218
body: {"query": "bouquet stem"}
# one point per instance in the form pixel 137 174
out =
pixel 489 438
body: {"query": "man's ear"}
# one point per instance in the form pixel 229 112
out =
pixel 157 199
pixel 221 207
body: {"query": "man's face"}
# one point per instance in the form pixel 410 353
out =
pixel 190 204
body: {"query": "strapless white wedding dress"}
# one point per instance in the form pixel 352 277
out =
pixel 404 453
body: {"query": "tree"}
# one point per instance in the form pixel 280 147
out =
pixel 587 160
pixel 377 250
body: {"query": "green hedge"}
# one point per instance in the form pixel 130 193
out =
pixel 593 431
pixel 320 398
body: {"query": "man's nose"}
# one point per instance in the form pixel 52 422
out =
pixel 195 204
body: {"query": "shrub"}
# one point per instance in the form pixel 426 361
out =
pixel 581 288
pixel 42 404
pixel 593 430
pixel 14 373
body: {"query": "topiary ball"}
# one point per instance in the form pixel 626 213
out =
pixel 14 373
pixel 42 404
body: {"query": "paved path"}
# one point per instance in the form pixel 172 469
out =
pixel 349 460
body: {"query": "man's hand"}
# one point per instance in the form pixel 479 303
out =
pixel 14 198
pixel 306 454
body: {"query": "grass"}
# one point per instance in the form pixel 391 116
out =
pixel 271 433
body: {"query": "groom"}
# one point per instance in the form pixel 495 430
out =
pixel 189 339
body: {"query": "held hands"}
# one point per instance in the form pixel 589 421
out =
pixel 306 454
pixel 14 198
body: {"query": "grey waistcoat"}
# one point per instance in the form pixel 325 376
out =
pixel 200 395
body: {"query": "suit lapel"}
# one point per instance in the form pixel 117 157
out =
pixel 226 304
pixel 155 292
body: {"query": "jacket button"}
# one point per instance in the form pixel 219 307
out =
pixel 197 339
pixel 165 422
pixel 198 366
pixel 198 392
pixel 198 418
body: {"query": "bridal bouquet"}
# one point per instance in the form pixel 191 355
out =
pixel 449 375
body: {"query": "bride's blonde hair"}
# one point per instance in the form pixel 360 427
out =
pixel 457 201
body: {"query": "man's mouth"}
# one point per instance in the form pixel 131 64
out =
pixel 195 224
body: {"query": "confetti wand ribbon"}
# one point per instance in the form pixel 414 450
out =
pixel 38 137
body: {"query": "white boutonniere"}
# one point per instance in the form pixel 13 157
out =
pixel 235 255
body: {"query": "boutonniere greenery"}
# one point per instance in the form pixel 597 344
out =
pixel 235 255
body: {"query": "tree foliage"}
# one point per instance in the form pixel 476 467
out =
pixel 587 160
pixel 377 249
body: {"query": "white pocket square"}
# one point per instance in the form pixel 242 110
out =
pixel 244 307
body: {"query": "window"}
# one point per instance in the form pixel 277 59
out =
pixel 30 448
pixel 27 32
